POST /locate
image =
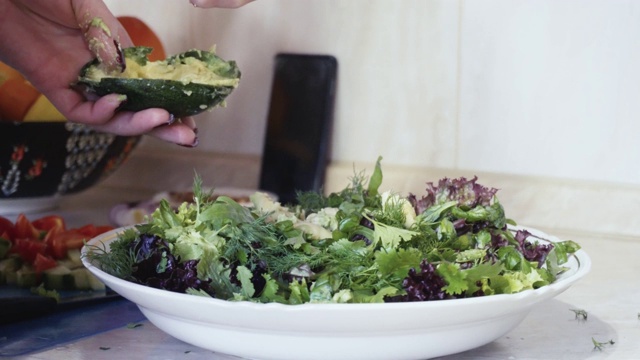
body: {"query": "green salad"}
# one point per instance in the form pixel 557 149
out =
pixel 358 245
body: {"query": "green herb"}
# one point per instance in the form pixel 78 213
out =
pixel 357 245
pixel 133 325
pixel 597 345
pixel 580 314
pixel 104 348
pixel 41 291
pixel 119 260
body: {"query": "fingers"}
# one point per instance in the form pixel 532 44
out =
pixel 219 3
pixel 183 132
pixel 155 122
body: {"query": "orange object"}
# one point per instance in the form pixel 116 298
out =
pixel 7 72
pixel 142 35
pixel 16 97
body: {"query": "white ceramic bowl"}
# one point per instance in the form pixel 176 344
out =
pixel 415 330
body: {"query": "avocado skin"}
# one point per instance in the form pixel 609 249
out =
pixel 170 95
pixel 178 98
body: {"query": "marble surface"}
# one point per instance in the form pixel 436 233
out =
pixel 609 294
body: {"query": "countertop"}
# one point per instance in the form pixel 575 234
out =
pixel 609 294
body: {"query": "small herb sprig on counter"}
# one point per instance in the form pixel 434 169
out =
pixel 597 345
pixel 580 314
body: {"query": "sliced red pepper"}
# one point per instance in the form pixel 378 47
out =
pixel 92 231
pixel 28 249
pixel 6 228
pixel 46 223
pixel 74 239
pixel 24 229
pixel 56 249
pixel 43 262
pixel 60 242
pixel 88 230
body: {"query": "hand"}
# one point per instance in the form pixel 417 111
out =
pixel 48 42
pixel 219 3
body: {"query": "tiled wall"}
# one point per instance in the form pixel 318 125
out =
pixel 525 91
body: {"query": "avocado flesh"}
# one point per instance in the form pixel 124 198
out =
pixel 185 84
pixel 191 70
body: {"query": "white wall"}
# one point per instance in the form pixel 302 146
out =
pixel 551 88
pixel 546 88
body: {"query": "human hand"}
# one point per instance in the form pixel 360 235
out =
pixel 49 42
pixel 219 3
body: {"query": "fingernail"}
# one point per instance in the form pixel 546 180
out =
pixel 123 101
pixel 172 119
pixel 194 144
pixel 120 56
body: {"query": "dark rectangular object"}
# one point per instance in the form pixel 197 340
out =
pixel 299 124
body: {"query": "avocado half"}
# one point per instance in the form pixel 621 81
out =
pixel 185 84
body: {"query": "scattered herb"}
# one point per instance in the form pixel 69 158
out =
pixel 133 325
pixel 358 245
pixel 41 291
pixel 104 348
pixel 580 314
pixel 597 345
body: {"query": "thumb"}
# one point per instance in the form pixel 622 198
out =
pixel 103 33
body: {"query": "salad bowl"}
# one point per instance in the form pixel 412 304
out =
pixel 409 330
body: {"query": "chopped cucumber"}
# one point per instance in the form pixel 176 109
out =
pixel 81 279
pixel 74 256
pixel 69 274
pixel 26 277
pixel 59 278
pixel 95 283
pixel 8 268
pixel 5 245
pixel 72 261
pixel 69 264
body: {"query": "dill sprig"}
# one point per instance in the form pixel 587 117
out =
pixel 118 260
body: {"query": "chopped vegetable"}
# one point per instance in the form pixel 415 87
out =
pixel 358 245
pixel 44 251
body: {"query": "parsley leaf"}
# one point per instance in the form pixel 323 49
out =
pixel 456 279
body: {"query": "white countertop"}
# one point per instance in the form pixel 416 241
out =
pixel 610 294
